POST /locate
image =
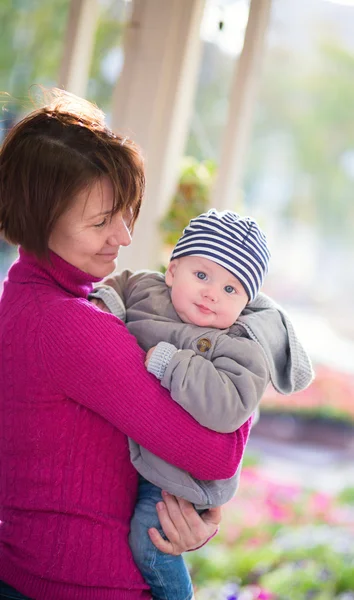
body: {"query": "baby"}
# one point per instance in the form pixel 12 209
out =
pixel 215 343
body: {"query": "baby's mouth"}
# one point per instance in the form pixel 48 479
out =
pixel 204 309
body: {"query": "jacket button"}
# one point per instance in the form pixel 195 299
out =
pixel 204 345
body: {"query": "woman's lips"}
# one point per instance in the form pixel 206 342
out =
pixel 108 256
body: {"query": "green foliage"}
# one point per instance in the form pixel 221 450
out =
pixel 310 107
pixel 191 198
pixel 220 564
pixel 346 496
pixel 32 35
pixel 299 581
pixel 304 121
pixel 32 45
pixel 345 577
pixel 318 572
pixel 250 459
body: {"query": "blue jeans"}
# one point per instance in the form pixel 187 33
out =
pixel 10 594
pixel 167 575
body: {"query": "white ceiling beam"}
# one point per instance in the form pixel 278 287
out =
pixel 152 104
pixel 226 191
pixel 78 46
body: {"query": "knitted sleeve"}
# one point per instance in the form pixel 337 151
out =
pixel 91 358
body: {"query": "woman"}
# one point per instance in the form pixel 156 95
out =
pixel 72 379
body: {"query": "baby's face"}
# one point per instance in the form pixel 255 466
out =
pixel 204 293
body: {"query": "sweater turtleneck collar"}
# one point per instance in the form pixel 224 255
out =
pixel 29 269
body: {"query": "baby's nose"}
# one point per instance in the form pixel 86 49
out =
pixel 211 293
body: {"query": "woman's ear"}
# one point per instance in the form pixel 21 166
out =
pixel 170 272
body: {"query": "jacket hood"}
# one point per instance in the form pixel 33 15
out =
pixel 269 325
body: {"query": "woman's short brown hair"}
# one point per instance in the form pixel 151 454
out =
pixel 50 156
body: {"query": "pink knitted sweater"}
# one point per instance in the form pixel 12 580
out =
pixel 73 386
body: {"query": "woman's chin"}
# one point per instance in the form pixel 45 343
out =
pixel 107 271
pixel 103 270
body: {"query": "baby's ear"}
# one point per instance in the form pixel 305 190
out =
pixel 170 272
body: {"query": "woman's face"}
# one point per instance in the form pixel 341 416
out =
pixel 86 236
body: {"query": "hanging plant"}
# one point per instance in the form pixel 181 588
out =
pixel 191 199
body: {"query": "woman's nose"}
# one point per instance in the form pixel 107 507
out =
pixel 120 236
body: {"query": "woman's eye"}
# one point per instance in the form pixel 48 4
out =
pixel 229 289
pixel 102 224
pixel 200 275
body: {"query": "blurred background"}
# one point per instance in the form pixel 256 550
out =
pixel 246 105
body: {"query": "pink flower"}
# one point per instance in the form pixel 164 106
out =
pixel 264 595
pixel 259 593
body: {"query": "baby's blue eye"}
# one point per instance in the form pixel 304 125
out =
pixel 200 275
pixel 229 289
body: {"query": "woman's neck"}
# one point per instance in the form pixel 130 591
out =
pixel 29 268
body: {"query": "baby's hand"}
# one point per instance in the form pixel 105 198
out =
pixel 100 304
pixel 148 355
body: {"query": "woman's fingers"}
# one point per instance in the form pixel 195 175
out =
pixel 184 528
pixel 158 541
pixel 194 522
pixel 212 517
pixel 171 518
pixel 184 517
pixel 171 545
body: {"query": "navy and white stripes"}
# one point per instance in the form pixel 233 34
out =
pixel 236 243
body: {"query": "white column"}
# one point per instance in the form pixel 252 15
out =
pixel 242 101
pixel 152 104
pixel 78 46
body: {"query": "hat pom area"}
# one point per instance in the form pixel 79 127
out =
pixel 234 242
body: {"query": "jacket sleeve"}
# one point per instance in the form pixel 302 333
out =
pixel 114 291
pixel 90 357
pixel 120 283
pixel 223 392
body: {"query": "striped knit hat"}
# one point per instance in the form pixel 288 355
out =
pixel 236 243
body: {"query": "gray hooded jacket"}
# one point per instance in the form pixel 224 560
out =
pixel 218 376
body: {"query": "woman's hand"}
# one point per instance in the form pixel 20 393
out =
pixel 184 528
